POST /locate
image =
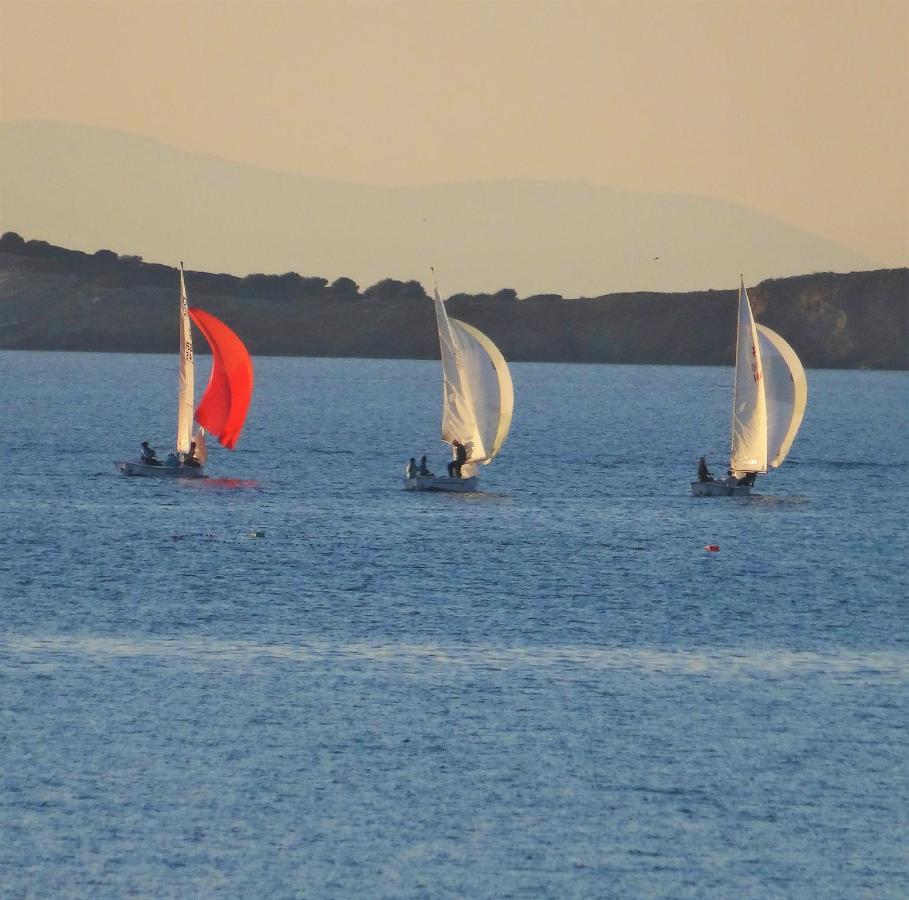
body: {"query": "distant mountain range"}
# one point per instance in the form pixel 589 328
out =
pixel 52 298
pixel 92 187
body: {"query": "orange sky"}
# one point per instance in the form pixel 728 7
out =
pixel 797 109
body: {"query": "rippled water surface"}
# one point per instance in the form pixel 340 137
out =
pixel 297 680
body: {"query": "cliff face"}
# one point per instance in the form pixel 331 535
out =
pixel 57 299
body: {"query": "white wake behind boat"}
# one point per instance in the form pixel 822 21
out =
pixel 477 401
pixel 768 404
pixel 222 410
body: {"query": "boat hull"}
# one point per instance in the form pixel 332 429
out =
pixel 719 489
pixel 143 470
pixel 442 483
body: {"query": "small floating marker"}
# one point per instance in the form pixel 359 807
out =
pixel 712 548
pixel 262 534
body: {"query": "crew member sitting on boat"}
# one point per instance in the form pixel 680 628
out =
pixel 171 462
pixel 190 458
pixel 411 471
pixel 748 479
pixel 703 473
pixel 460 457
pixel 148 455
pixel 424 468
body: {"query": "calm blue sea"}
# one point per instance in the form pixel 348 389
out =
pixel 298 680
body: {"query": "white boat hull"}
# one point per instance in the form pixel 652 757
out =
pixel 442 483
pixel 143 470
pixel 719 489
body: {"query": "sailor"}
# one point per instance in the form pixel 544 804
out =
pixel 411 471
pixel 172 462
pixel 748 479
pixel 460 457
pixel 190 458
pixel 703 473
pixel 148 455
pixel 424 468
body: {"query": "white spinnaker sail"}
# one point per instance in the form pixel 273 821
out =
pixel 186 388
pixel 749 405
pixel 478 396
pixel 786 391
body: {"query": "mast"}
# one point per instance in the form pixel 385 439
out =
pixel 186 383
pixel 735 371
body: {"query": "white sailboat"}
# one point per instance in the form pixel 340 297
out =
pixel 223 408
pixel 477 400
pixel 768 404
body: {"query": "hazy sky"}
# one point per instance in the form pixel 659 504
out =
pixel 797 109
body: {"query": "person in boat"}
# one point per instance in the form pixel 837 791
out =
pixel 171 462
pixel 748 479
pixel 147 455
pixel 190 458
pixel 411 471
pixel 460 457
pixel 424 467
pixel 703 472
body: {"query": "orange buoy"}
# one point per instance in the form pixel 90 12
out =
pixel 713 548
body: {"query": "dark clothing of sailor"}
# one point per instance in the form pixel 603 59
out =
pixel 703 474
pixel 190 458
pixel 460 457
pixel 148 455
pixel 424 468
pixel 411 468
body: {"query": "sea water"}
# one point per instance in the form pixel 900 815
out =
pixel 295 679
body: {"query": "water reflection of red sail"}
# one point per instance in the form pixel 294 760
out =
pixel 222 410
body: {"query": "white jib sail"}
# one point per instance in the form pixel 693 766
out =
pixel 478 395
pixel 491 390
pixel 749 405
pixel 201 448
pixel 186 388
pixel 786 390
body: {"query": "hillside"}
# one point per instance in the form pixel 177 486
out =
pixel 88 187
pixel 57 299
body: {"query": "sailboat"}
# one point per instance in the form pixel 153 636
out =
pixel 768 404
pixel 222 410
pixel 477 400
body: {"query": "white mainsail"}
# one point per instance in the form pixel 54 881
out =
pixel 749 402
pixel 786 392
pixel 478 395
pixel 186 388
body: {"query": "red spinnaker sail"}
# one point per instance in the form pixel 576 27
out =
pixel 222 410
